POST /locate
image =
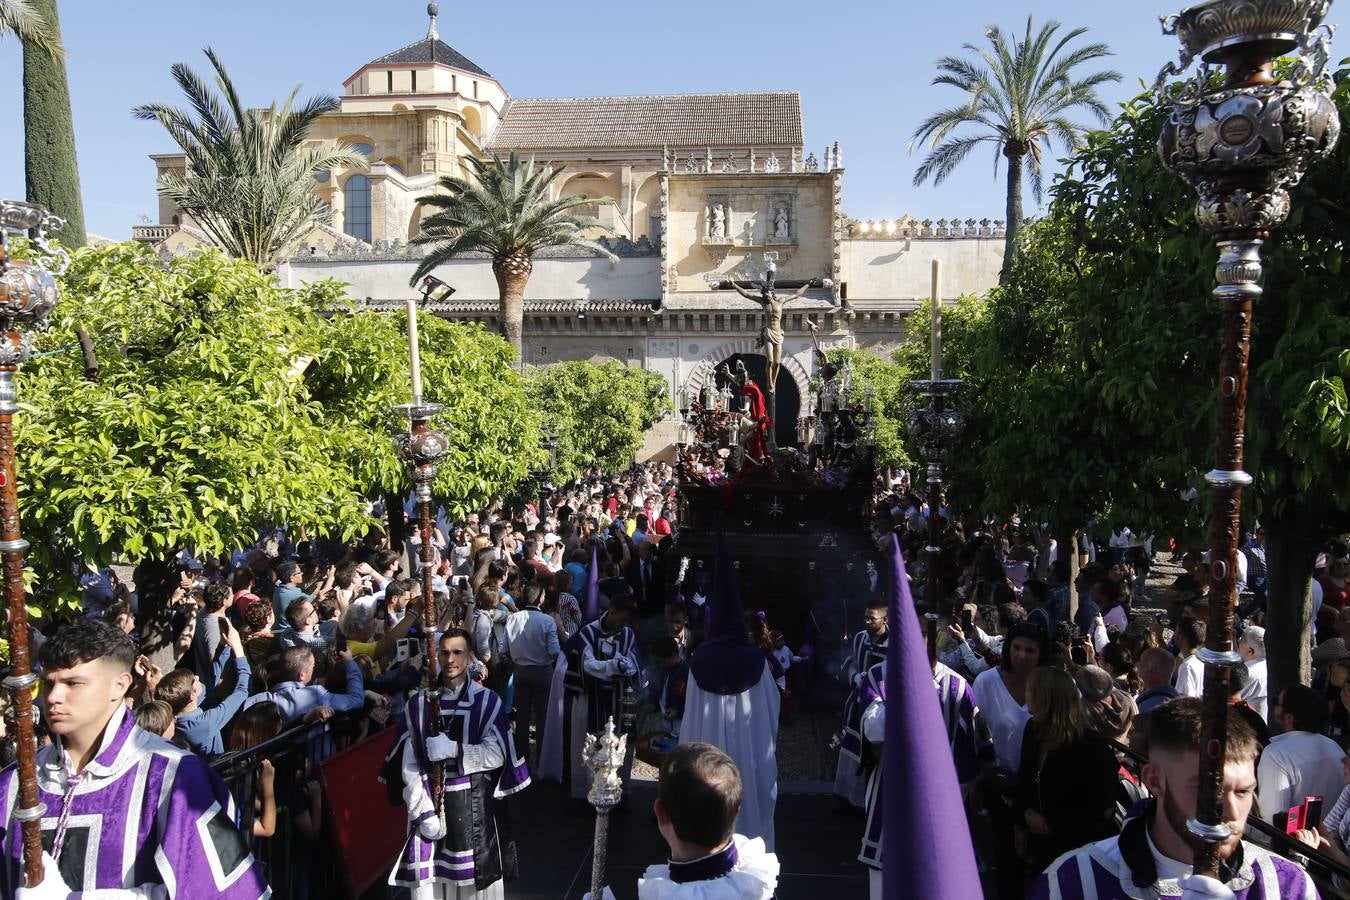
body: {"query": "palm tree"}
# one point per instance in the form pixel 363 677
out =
pixel 29 26
pixel 250 172
pixel 1020 96
pixel 505 211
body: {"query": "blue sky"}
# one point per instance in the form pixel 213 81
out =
pixel 863 70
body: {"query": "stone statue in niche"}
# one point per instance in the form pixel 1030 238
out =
pixel 780 223
pixel 717 222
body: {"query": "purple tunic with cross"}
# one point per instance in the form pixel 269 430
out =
pixel 143 816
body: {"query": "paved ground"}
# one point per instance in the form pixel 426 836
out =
pixel 817 848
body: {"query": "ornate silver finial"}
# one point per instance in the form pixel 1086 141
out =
pixel 433 10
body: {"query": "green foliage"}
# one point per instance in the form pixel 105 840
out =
pixel 31 24
pixel 890 377
pixel 1094 379
pixel 362 373
pixel 198 429
pixel 505 210
pixel 890 382
pixel 51 176
pixel 250 172
pixel 600 412
pixel 225 402
pixel 1020 96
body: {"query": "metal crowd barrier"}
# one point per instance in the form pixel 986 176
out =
pixel 1319 865
pixel 286 857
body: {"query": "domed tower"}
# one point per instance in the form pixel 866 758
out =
pixel 415 113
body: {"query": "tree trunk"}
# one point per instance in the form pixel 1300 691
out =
pixel 1014 224
pixel 513 271
pixel 1290 554
pixel 52 178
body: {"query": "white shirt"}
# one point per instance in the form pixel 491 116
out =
pixel 1298 764
pixel 1191 677
pixel 1005 718
pixel 1255 691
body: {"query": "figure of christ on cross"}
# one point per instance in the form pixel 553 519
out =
pixel 771 335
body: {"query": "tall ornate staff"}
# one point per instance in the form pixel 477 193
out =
pixel 936 427
pixel 27 295
pixel 603 755
pixel 1241 144
pixel 423 448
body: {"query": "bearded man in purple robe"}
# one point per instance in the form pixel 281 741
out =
pixel 1153 855
pixel 128 815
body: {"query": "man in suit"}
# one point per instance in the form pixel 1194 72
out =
pixel 644 574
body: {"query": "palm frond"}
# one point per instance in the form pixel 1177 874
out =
pixel 30 27
pixel 946 157
pixel 506 208
pixel 250 176
pixel 1020 90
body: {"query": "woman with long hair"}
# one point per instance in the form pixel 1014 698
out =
pixel 255 724
pixel 1066 787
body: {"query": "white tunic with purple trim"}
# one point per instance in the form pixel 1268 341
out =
pixel 476 854
pixel 144 819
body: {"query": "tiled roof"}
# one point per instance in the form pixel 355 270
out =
pixel 430 50
pixel 768 119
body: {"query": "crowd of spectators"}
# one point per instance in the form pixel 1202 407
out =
pixel 288 633
pixel 1055 688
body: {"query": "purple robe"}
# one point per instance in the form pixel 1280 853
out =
pixel 851 776
pixel 1122 868
pixel 603 698
pixel 476 851
pixel 143 813
pixel 958 712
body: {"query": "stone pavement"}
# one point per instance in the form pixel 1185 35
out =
pixel 817 849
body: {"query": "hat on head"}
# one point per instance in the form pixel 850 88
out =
pixel 1095 683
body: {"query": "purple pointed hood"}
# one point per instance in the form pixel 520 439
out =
pixel 590 610
pixel 924 816
pixel 726 662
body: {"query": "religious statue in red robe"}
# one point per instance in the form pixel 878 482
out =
pixel 754 423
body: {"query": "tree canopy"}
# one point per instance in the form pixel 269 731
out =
pixel 600 412
pixel 506 211
pixel 1021 96
pixel 225 402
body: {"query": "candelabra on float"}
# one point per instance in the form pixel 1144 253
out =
pixel 28 294
pixel 423 448
pixel 603 754
pixel 936 427
pixel 1242 143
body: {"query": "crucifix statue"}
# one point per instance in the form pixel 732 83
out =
pixel 771 335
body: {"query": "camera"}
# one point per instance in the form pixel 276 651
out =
pixel 199 584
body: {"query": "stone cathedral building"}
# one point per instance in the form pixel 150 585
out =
pixel 702 188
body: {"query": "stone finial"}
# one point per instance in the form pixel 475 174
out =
pixel 811 165
pixel 771 165
pixel 752 159
pixel 665 158
pixel 710 162
pixel 433 10
pixel 838 157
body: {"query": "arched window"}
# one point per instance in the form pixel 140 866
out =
pixel 361 147
pixel 356 207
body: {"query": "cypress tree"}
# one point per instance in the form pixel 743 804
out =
pixel 51 175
